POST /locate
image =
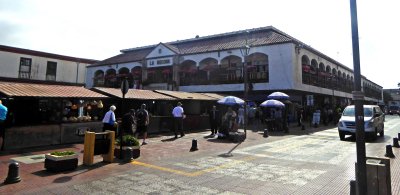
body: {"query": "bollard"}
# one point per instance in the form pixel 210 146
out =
pixel 13 173
pixel 353 187
pixel 396 143
pixel 265 133
pixel 389 151
pixel 128 154
pixel 398 136
pixel 194 145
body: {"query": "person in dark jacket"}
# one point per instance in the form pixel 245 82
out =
pixel 215 118
pixel 128 122
pixel 142 121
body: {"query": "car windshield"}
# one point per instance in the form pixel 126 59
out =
pixel 351 110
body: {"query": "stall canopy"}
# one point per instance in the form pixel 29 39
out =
pixel 14 89
pixel 186 95
pixel 133 94
pixel 214 95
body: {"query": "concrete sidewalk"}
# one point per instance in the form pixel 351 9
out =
pixel 163 151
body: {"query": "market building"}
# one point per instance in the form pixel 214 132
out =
pixel 19 64
pixel 219 63
pixel 46 98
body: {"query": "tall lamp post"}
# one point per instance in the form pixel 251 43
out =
pixel 245 52
pixel 358 97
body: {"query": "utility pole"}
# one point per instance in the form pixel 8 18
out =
pixel 358 97
pixel 245 50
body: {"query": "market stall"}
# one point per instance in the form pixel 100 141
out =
pixel 42 114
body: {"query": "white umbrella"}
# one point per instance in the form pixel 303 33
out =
pixel 278 96
pixel 231 100
pixel 272 104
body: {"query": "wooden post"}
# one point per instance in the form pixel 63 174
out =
pixel 88 151
pixel 109 157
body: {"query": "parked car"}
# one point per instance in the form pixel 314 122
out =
pixel 393 110
pixel 373 121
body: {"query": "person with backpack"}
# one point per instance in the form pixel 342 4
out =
pixel 142 121
pixel 109 120
pixel 128 122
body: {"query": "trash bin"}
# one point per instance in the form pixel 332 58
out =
pixel 378 176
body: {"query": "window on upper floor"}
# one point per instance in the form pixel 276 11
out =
pixel 51 71
pixel 25 68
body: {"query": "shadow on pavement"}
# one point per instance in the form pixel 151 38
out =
pixel 81 169
pixel 352 138
pixel 169 139
pixel 219 140
pixel 229 153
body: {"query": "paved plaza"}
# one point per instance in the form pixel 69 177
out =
pixel 313 161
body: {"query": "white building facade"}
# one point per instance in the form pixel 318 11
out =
pixel 30 65
pixel 275 62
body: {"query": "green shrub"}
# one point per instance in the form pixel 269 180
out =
pixel 62 153
pixel 127 140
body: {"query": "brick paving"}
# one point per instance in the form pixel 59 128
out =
pixel 313 161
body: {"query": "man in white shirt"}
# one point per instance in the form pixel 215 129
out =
pixel 178 114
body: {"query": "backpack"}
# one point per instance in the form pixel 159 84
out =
pixel 141 117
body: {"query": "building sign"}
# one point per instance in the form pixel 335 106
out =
pixel 159 62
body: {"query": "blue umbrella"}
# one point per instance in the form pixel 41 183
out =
pixel 278 96
pixel 231 100
pixel 272 104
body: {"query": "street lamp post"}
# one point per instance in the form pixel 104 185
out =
pixel 358 97
pixel 245 52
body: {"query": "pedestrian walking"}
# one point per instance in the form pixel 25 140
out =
pixel 215 118
pixel 299 116
pixel 109 120
pixel 142 121
pixel 251 115
pixel 241 116
pixel 3 117
pixel 179 115
pixel 330 115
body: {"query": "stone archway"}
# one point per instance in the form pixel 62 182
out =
pixel 98 79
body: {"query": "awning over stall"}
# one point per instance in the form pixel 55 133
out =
pixel 214 95
pixel 186 95
pixel 133 94
pixel 14 89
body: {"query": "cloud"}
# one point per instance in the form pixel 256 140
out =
pixel 9 32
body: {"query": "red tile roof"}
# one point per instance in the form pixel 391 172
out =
pixel 13 89
pixel 226 41
pixel 126 57
pixel 134 94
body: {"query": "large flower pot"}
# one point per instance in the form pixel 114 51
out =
pixel 135 151
pixel 60 163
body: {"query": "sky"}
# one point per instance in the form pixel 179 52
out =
pixel 99 29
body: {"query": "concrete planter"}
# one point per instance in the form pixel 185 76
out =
pixel 60 163
pixel 59 158
pixel 135 151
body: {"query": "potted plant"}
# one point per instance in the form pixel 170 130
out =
pixel 128 141
pixel 61 161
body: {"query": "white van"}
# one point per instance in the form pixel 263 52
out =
pixel 373 121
